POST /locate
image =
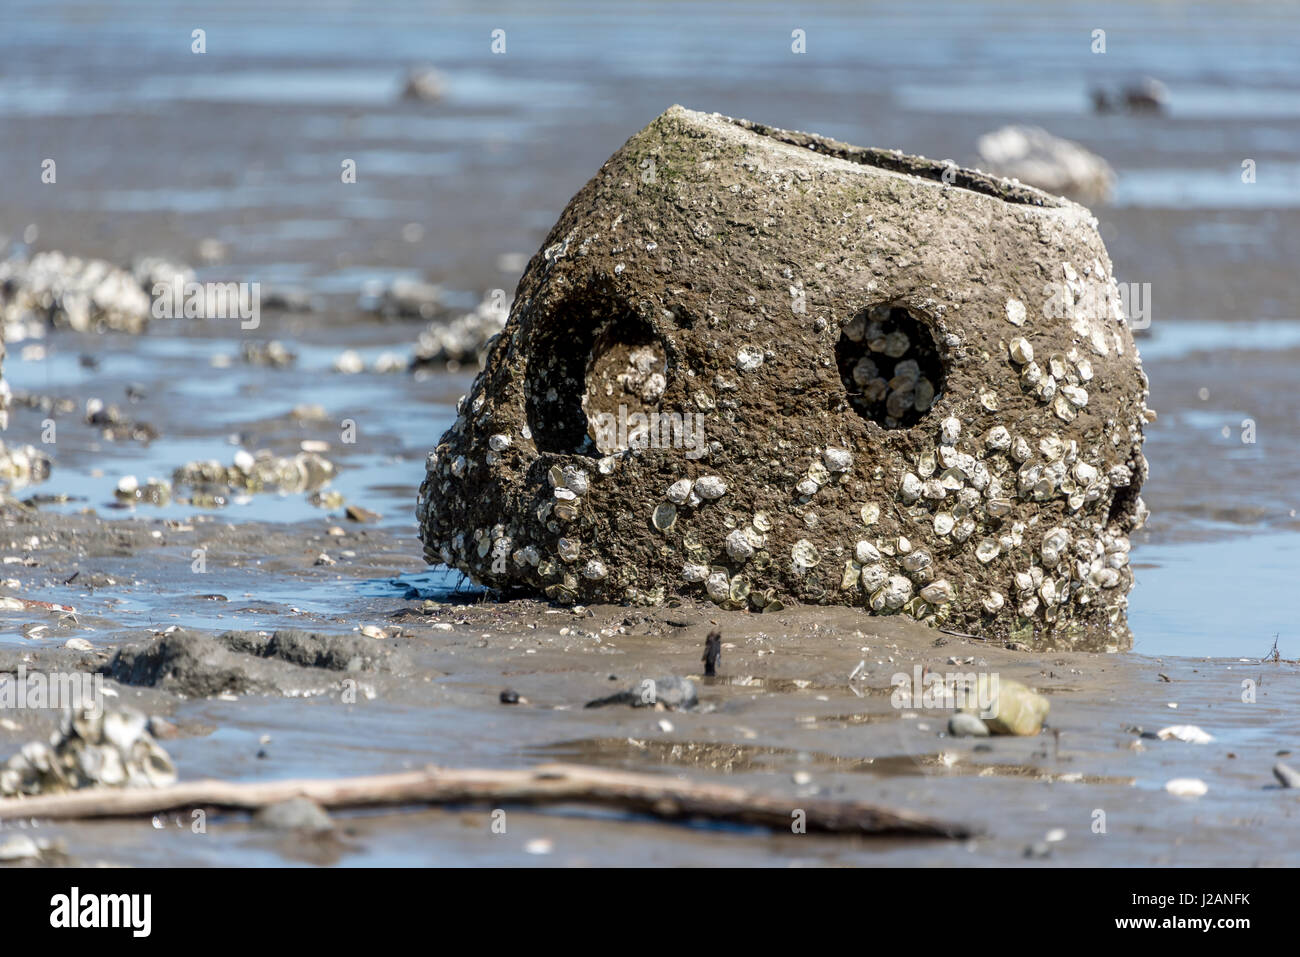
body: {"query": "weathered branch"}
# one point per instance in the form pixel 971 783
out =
pixel 664 797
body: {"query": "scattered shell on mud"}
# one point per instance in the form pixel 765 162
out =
pixel 91 748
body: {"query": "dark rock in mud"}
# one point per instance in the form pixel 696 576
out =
pixel 236 662
pixel 187 663
pixel 311 650
pixel 673 693
pixel 760 367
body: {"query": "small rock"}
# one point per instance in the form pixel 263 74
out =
pixel 1016 709
pixel 424 84
pixel 1287 775
pixel 672 692
pixel 1186 787
pixel 1038 850
pixel 1034 156
pixel 295 814
pixel 358 514
pixel 509 696
pixel 349 362
pixel 162 728
pixel 963 725
pixel 78 644
pixel 19 847
pixel 1185 732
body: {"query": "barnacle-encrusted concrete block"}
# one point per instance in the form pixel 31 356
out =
pixel 757 366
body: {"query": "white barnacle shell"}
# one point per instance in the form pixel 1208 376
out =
pixel 838 460
pixel 595 570
pixel 807 487
pixel 738 546
pixel 710 487
pixel 1077 396
pixel 993 602
pixel 718 586
pixel 917 560
pixel 909 489
pixel 804 554
pixel 949 430
pixel 873 576
pixel 679 491
pixel 865 552
pixel 998 439
pixel 1015 312
pixel 458 466
pixel 943 523
pixel 938 593
pixel 1021 351
pixel 749 358
pixel 576 480
pixel 695 573
pixel 898 590
pixel 499 442
pixel 987 550
pixel 870 514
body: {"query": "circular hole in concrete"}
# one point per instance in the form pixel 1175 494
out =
pixel 592 385
pixel 890 366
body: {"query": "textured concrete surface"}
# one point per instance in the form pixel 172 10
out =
pixel 760 367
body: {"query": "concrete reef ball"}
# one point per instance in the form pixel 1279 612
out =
pixel 759 367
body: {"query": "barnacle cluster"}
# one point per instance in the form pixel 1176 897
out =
pixel 91 748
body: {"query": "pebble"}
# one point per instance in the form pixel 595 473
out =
pixel 19 847
pixel 358 514
pixel 1288 776
pixel 1186 787
pixel 964 725
pixel 295 814
pixel 1185 732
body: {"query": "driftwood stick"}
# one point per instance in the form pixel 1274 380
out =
pixel 664 797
